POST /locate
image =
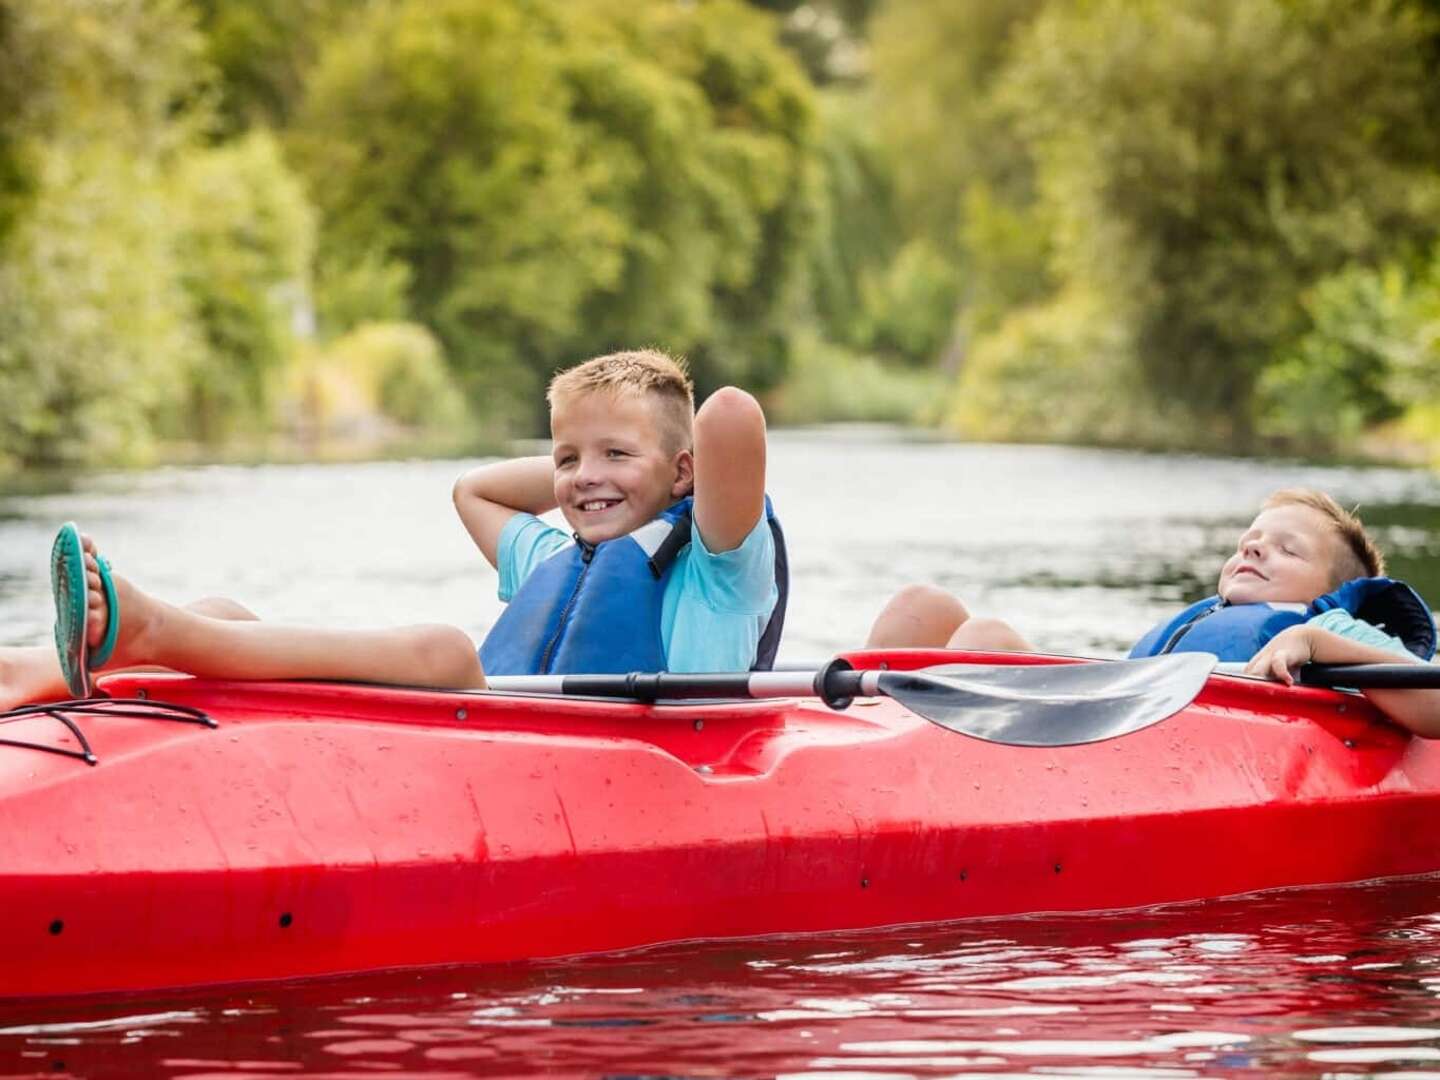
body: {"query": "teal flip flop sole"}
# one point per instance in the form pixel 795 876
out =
pixel 101 656
pixel 67 585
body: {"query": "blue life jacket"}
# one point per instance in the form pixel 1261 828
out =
pixel 595 608
pixel 1236 632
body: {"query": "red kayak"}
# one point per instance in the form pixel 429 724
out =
pixel 252 831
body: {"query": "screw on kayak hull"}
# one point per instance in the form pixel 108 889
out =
pixel 1349 744
pixel 462 714
pixel 699 725
pixel 285 920
pixel 142 693
pixel 57 926
pixel 1057 868
pixel 704 770
pixel 964 875
pixel 864 883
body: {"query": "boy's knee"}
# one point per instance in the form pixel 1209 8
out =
pixel 918 616
pixel 928 602
pixel 988 633
pixel 444 654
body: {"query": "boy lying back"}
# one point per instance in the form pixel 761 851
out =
pixel 1303 585
pixel 655 578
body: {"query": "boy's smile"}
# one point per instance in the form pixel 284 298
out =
pixel 612 472
pixel 1287 556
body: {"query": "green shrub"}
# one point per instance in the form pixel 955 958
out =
pixel 246 245
pixel 1060 372
pixel 828 383
pixel 375 378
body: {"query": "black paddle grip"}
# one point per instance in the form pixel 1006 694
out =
pixel 838 683
pixel 1372 676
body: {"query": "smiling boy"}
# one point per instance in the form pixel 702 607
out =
pixel 1303 586
pixel 672 561
pixel 654 578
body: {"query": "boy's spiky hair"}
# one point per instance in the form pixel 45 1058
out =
pixel 1356 555
pixel 645 372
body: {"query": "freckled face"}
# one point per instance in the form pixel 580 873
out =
pixel 612 473
pixel 1285 557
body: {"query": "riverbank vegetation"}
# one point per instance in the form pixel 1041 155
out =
pixel 1203 223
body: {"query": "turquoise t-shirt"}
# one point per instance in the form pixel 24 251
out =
pixel 714 608
pixel 1341 622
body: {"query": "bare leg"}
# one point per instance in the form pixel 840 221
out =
pixel 988 635
pixel 154 632
pixel 32 672
pixel 917 617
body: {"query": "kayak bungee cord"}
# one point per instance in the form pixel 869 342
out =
pixel 64 711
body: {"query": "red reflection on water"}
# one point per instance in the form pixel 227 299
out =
pixel 1188 991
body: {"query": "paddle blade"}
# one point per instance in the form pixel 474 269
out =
pixel 1051 704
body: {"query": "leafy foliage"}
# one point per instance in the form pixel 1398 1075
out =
pixel 1205 161
pixel 245 249
pixel 93 319
pixel 566 178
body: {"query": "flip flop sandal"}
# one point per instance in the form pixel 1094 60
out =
pixel 70 590
pixel 101 656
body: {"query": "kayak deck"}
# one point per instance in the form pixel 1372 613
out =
pixel 320 829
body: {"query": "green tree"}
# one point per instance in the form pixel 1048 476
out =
pixel 93 320
pixel 964 176
pixel 1205 161
pixel 263 50
pixel 561 178
pixel 245 246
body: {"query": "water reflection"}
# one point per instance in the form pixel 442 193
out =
pixel 1294 983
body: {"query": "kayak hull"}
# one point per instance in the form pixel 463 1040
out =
pixel 324 829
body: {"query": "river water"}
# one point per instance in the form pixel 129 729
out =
pixel 1081 549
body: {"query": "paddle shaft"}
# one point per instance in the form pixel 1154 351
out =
pixel 834 684
pixel 1372 676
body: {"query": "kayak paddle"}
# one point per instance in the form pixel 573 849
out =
pixel 1371 676
pixel 1013 704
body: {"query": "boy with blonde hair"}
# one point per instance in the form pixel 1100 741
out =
pixel 676 561
pixel 1304 585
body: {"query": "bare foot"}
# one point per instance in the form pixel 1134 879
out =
pixel 28 674
pixel 138 613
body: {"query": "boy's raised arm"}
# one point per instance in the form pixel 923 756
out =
pixel 729 468
pixel 488 496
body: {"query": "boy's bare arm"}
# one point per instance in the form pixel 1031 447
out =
pixel 1418 710
pixel 729 468
pixel 488 496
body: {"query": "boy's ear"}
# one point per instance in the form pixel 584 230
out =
pixel 684 474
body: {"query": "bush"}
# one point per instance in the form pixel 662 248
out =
pixel 1370 355
pixel 99 101
pixel 562 178
pixel 1061 372
pixel 246 245
pixel 828 383
pixel 377 378
pixel 909 308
